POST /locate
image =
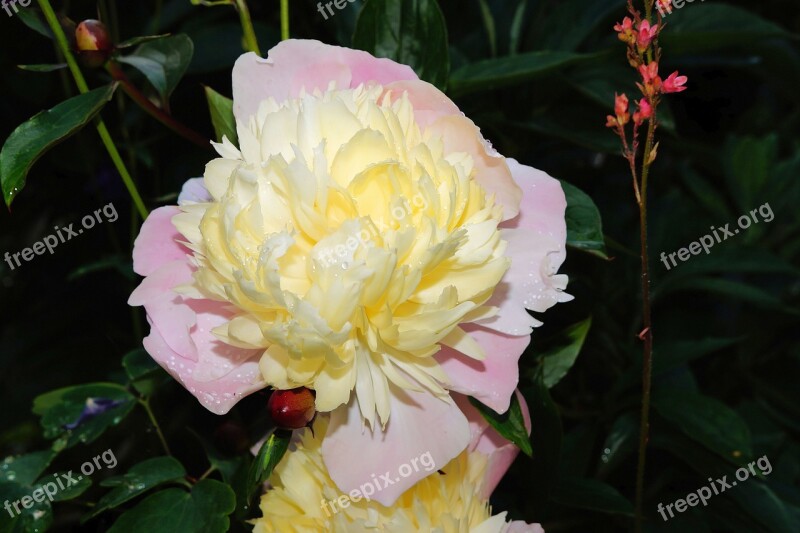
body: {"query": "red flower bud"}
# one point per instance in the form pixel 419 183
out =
pixel 93 43
pixel 292 409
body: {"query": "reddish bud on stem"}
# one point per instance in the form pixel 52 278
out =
pixel 292 409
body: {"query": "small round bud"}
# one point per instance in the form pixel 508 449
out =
pixel 292 409
pixel 93 43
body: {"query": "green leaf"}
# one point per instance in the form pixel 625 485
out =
pixel 547 436
pixel 66 406
pixel 620 442
pixel 73 490
pixel 727 288
pixel 510 425
pixel 593 495
pixel 268 457
pixel 489 25
pixel 163 62
pixel 205 508
pixel 411 32
pixel 38 517
pixel 569 22
pixel 712 25
pixel 32 19
pixel 43 68
pixel 559 359
pixel 706 420
pixel 25 469
pixel 141 40
pixel 139 479
pixel 584 226
pixel 145 374
pixel 510 70
pixel 234 470
pixel 34 138
pixel 122 265
pixel 221 109
pixel 749 163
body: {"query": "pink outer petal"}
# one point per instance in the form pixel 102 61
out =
pixel 493 380
pixel 492 172
pixel 297 64
pixel 180 340
pixel 419 424
pixel 194 191
pixel 157 243
pixel 217 395
pixel 519 526
pixel 537 248
pixel 484 439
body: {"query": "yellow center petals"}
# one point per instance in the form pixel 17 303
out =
pixel 349 245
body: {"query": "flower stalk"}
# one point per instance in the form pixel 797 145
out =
pixel 284 20
pixel 247 26
pixel 105 136
pixel 640 33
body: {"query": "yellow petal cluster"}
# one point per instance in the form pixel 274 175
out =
pixel 349 245
pixel 445 502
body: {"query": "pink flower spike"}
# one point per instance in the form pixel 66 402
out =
pixel 621 108
pixel 625 30
pixel 674 83
pixel 645 112
pixel 645 35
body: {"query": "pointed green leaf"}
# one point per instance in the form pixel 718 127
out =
pixel 592 494
pixel 411 32
pixel 163 62
pixel 558 360
pixel 34 138
pixel 138 480
pixel 43 68
pixel 584 226
pixel 268 457
pixel 205 508
pixel 511 424
pixel 221 109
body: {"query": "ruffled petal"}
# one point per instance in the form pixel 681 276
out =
pixel 157 243
pixel 299 64
pixel 420 424
pixel 537 248
pixel 194 191
pixel 492 172
pixel 493 380
pixel 218 392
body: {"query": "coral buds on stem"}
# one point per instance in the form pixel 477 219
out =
pixel 621 110
pixel 644 113
pixel 674 83
pixel 625 31
pixel 645 35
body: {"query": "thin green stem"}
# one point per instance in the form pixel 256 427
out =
pixel 247 26
pixel 284 20
pixel 146 404
pixel 111 148
pixel 211 469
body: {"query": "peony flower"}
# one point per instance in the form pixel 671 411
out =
pixel 364 241
pixel 453 498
